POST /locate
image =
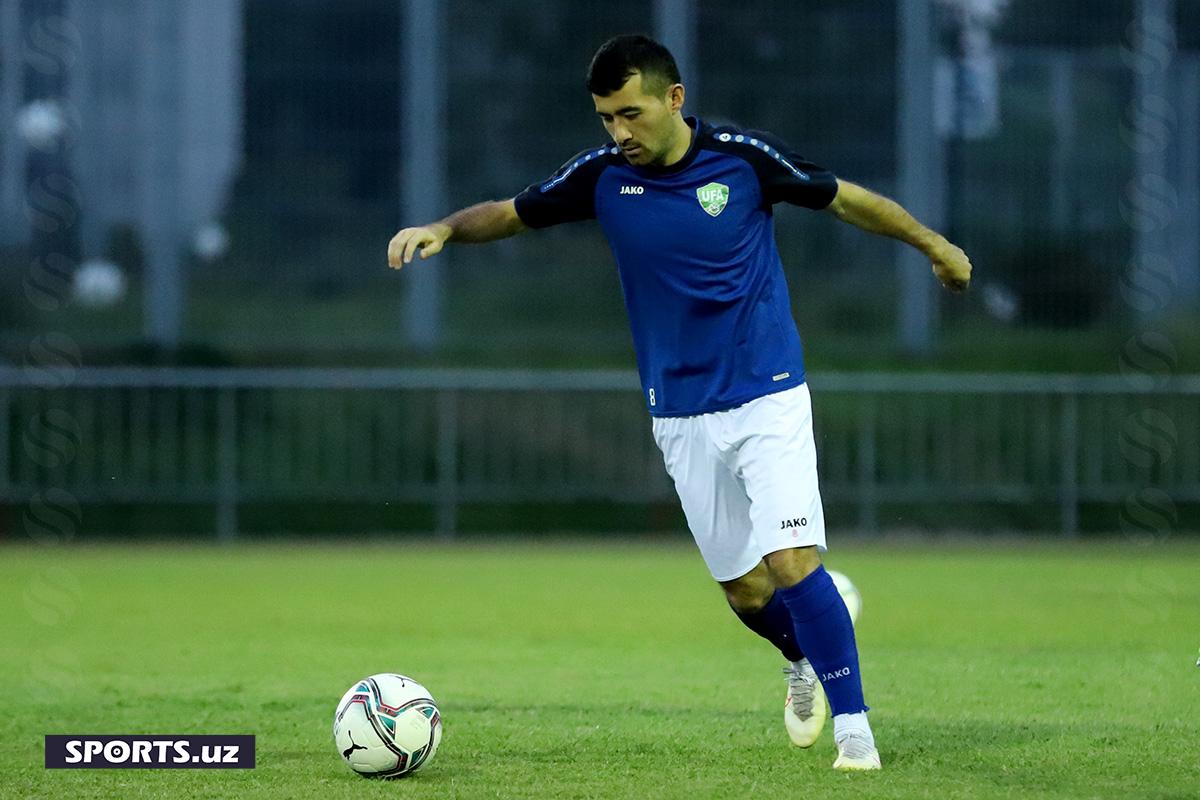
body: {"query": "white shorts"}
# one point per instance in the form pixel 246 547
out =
pixel 747 479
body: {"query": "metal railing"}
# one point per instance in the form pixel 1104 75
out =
pixel 450 437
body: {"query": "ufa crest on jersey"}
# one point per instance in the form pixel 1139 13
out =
pixel 713 197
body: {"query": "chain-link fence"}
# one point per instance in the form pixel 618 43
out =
pixel 241 162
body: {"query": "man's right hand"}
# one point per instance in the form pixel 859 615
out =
pixel 428 238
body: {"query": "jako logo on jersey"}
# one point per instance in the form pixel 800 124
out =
pixel 633 189
pixel 800 522
pixel 840 673
pixel 713 197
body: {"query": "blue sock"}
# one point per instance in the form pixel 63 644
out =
pixel 774 623
pixel 826 635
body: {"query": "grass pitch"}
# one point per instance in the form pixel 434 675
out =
pixel 604 670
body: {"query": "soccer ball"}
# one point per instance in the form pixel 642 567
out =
pixel 849 593
pixel 387 726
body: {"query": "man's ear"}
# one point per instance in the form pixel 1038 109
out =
pixel 675 96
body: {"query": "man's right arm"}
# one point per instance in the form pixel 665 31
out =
pixel 483 222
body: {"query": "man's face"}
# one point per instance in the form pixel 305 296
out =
pixel 639 123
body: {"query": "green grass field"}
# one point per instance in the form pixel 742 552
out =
pixel 605 670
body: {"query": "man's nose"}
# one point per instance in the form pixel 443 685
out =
pixel 620 133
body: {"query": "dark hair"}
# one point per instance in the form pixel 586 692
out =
pixel 622 56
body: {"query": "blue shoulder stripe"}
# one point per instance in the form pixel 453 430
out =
pixel 566 170
pixel 751 141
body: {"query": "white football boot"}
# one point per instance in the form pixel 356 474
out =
pixel 856 752
pixel 804 712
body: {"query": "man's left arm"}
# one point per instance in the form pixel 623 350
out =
pixel 877 214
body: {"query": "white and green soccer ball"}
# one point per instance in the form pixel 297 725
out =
pixel 849 593
pixel 387 726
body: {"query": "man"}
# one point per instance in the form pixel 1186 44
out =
pixel 686 208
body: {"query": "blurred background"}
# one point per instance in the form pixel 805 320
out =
pixel 199 334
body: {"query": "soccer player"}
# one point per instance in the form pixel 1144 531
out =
pixel 686 208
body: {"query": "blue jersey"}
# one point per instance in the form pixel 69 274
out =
pixel 695 249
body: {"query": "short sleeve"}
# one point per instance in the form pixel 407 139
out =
pixel 788 177
pixel 566 196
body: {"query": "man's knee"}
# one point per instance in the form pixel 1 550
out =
pixel 789 567
pixel 750 592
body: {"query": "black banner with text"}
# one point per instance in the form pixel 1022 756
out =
pixel 87 751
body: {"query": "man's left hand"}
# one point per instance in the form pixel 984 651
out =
pixel 951 266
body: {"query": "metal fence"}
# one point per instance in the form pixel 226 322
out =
pixel 250 213
pixel 450 437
